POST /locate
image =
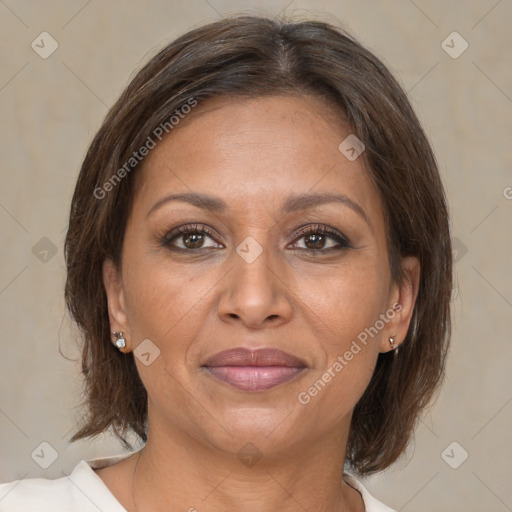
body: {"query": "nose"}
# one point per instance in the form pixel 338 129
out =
pixel 256 293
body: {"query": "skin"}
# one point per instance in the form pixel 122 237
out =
pixel 252 154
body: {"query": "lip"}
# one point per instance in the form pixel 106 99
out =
pixel 260 357
pixel 254 370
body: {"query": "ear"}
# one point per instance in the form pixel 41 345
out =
pixel 116 304
pixel 402 300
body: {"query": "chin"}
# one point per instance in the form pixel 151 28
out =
pixel 268 429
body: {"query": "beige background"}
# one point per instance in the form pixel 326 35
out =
pixel 52 107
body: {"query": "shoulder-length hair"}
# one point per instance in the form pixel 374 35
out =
pixel 248 57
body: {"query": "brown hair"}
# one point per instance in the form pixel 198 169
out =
pixel 249 56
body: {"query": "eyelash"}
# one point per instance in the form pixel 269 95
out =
pixel 342 241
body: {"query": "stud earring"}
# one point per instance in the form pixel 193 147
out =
pixel 392 342
pixel 120 342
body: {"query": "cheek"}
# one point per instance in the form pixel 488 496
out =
pixel 168 306
pixel 347 298
pixel 350 305
pixel 164 300
pixel 331 396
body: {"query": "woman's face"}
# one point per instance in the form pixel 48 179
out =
pixel 264 177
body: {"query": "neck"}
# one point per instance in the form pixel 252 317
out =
pixel 174 468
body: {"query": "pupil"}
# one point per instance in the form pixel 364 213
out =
pixel 196 240
pixel 318 243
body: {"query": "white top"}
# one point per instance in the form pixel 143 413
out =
pixel 84 491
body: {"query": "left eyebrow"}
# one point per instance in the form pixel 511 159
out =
pixel 305 201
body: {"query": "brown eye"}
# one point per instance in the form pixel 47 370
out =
pixel 317 237
pixel 315 241
pixel 190 238
pixel 193 240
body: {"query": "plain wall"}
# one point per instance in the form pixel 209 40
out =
pixel 51 108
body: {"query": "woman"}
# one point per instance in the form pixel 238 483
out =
pixel 259 259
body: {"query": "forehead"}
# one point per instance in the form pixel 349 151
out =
pixel 246 150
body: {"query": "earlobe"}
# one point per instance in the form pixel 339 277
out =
pixel 118 318
pixel 403 300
